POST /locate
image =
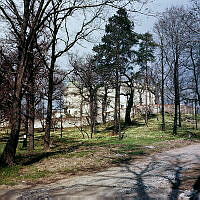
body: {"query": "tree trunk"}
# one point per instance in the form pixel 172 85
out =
pixel 117 128
pixel 195 113
pixel 195 75
pixel 31 120
pixel 50 93
pixel 31 93
pixel 133 109
pixel 119 113
pixel 104 105
pixel 129 108
pixel 179 102
pixel 146 103
pixel 26 122
pixel 176 99
pixel 140 97
pixel 61 126
pixel 162 91
pixel 81 112
pixel 43 116
pixel 93 111
pixel 49 112
pixel 179 114
pixel 175 119
pixel 61 118
pixel 8 155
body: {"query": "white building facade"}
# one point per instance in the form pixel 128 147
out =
pixel 76 103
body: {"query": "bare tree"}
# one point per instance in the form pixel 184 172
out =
pixel 84 70
pixel 24 34
pixel 7 62
pixel 173 32
pixel 146 56
pixel 28 23
pixel 163 77
pixel 88 12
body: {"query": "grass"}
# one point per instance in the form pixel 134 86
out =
pixel 73 155
pixel 12 175
pixel 8 174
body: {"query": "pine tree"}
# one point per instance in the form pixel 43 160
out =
pixel 114 54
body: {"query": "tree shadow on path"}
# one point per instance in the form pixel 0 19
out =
pixel 140 181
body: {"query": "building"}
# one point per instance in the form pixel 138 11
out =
pixel 76 102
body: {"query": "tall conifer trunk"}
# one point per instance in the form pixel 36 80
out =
pixel 104 105
pixel 129 108
pixel 117 105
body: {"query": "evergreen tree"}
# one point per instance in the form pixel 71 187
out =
pixel 114 54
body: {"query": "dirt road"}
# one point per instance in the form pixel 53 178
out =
pixel 156 177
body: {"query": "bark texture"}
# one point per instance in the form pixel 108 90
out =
pixel 129 108
pixel 104 105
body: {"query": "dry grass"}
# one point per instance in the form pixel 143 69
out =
pixel 72 155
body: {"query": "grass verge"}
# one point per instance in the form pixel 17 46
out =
pixel 73 155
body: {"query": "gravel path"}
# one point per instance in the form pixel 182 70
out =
pixel 156 177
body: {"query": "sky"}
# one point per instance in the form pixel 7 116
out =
pixel 143 23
